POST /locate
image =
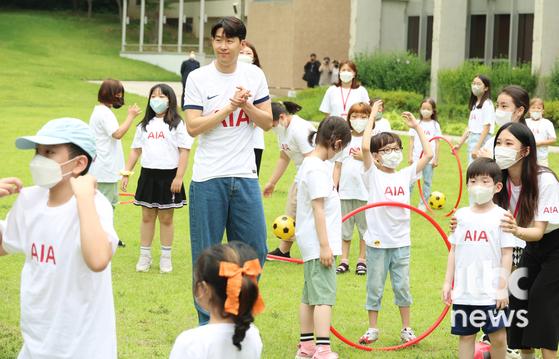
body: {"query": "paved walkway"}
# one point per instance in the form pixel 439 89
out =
pixel 142 88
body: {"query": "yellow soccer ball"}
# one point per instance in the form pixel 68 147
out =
pixel 284 227
pixel 437 200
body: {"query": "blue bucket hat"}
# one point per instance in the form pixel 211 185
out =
pixel 60 131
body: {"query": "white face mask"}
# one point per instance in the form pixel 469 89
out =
pixel 346 76
pixel 505 157
pixel 477 90
pixel 359 124
pixel 245 58
pixel 392 159
pixel 45 172
pixel 480 194
pixel 502 117
pixel 378 116
pixel 536 115
pixel 426 113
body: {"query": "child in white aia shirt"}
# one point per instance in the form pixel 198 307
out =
pixel 542 128
pixel 164 145
pixel 319 232
pixel 479 263
pixel 388 228
pixel 225 286
pixel 64 227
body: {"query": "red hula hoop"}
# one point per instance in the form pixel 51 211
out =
pixel 445 309
pixel 455 154
pixel 124 194
pixel 284 259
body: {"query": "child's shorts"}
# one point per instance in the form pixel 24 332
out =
pixel 470 319
pixel 320 283
pixel 349 205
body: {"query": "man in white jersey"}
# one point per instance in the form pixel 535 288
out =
pixel 223 101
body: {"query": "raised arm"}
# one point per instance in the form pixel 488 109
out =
pixel 427 150
pixel 367 134
pixel 133 112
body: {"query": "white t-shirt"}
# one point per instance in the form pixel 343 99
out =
pixel 258 138
pixel 294 140
pixel 388 227
pixel 215 341
pixel 542 130
pixel 479 239
pixel 431 129
pixel 67 310
pixel 352 185
pixel 110 158
pixel 548 202
pixel 382 125
pixel 228 149
pixel 337 101
pixel 160 146
pixel 480 117
pixel 315 181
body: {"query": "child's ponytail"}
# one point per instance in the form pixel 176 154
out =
pixel 247 299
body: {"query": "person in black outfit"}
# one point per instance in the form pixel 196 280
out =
pixel 312 73
pixel 188 66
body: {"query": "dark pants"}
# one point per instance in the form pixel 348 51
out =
pixel 258 159
pixel 541 262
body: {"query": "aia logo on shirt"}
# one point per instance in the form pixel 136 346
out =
pixel 475 236
pixel 232 122
pixel 45 254
pixel 394 191
pixel 550 209
pixel 156 135
pixel 354 150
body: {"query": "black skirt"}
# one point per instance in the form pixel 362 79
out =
pixel 154 190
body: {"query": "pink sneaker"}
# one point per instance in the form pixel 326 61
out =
pixel 324 352
pixel 305 350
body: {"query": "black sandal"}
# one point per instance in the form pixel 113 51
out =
pixel 342 268
pixel 361 269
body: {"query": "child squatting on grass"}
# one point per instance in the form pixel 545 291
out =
pixel 225 286
pixel 479 264
pixel 319 233
pixel 162 141
pixel 64 227
pixel 388 228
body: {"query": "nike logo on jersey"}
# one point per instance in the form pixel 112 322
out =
pixel 210 97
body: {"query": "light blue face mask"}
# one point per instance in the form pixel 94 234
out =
pixel 158 105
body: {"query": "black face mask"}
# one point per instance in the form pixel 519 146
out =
pixel 119 102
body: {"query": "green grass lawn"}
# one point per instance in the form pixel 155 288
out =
pixel 46 59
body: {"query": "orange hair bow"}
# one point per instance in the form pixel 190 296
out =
pixel 234 274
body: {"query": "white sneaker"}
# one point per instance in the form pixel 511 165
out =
pixel 370 336
pixel 407 335
pixel 144 263
pixel 513 354
pixel 165 264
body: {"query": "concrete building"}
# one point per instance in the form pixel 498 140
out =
pixel 445 32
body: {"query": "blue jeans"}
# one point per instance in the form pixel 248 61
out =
pixel 230 203
pixel 379 262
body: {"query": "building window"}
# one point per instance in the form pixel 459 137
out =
pixel 477 37
pixel 413 34
pixel 525 32
pixel 501 36
pixel 429 44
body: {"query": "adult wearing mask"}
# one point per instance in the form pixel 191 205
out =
pixel 531 195
pixel 348 91
pixel 249 55
pixel 109 161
